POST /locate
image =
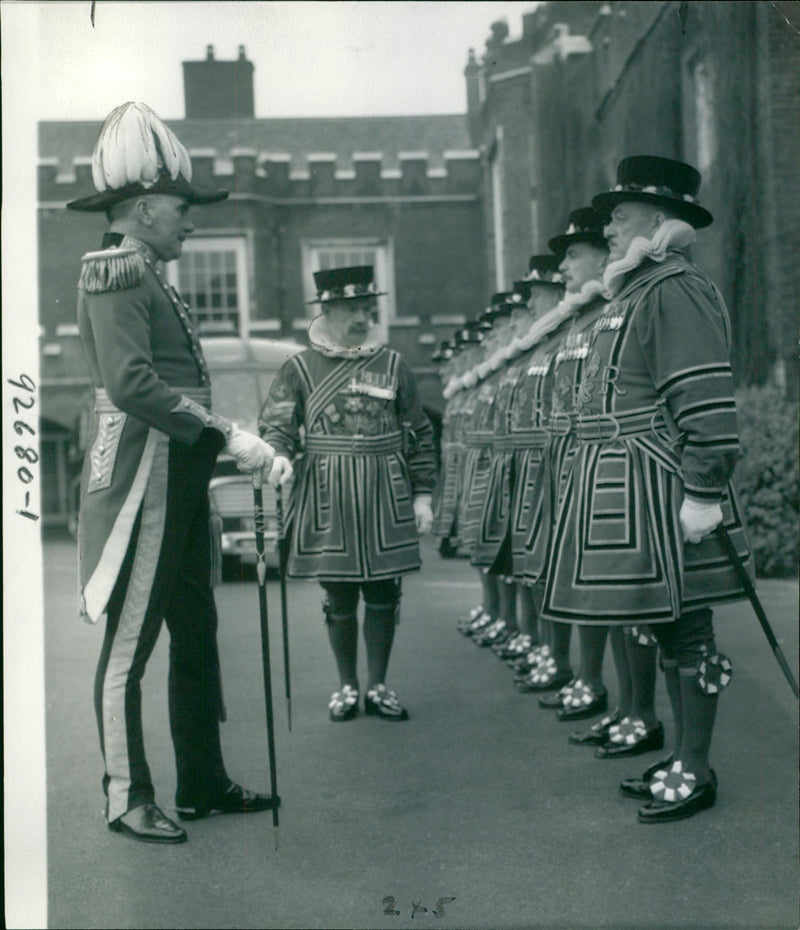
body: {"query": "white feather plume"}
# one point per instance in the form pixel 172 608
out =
pixel 135 145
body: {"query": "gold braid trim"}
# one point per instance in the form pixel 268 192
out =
pixel 111 270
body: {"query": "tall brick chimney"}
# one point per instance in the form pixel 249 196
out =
pixel 472 73
pixel 213 89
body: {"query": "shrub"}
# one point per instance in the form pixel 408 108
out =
pixel 766 478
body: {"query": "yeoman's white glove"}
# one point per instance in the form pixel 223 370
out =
pixel 423 513
pixel 251 452
pixel 282 471
pixel 698 519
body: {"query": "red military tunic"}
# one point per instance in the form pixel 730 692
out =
pixel 151 384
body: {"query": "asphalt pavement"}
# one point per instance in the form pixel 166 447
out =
pixel 476 813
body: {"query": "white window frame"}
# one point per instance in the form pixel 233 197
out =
pixel 383 248
pixel 226 243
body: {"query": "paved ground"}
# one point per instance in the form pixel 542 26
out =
pixel 478 798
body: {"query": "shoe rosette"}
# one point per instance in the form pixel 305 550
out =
pixel 628 732
pixel 672 784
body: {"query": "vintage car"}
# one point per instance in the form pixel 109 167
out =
pixel 241 373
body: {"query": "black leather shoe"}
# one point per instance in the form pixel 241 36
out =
pixel 555 701
pixel 148 824
pixel 703 797
pixel 597 734
pixel 478 625
pixel 496 632
pixel 652 739
pixel 640 787
pixel 528 684
pixel 590 706
pixel 381 702
pixel 236 800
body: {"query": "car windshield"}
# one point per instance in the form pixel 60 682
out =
pixel 237 396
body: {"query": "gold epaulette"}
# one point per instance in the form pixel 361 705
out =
pixel 111 270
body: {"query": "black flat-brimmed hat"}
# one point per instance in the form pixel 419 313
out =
pixel 660 181
pixel 543 269
pixel 584 225
pixel 501 305
pixel 523 290
pixel 345 284
pixel 467 336
pixel 444 353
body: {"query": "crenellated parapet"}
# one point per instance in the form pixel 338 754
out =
pixel 320 177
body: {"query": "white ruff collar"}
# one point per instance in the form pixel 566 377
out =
pixel 321 340
pixel 671 234
pixel 568 306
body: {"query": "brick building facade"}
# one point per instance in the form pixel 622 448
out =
pixel 402 193
pixel 715 84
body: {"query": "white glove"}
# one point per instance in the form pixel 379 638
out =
pixel 423 513
pixel 282 471
pixel 698 519
pixel 251 452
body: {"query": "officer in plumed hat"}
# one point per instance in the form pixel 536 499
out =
pixel 143 530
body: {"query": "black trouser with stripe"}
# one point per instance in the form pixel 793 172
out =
pixel 179 593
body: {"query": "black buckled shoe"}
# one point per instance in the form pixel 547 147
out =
pixel 496 632
pixel 381 702
pixel 545 677
pixel 555 700
pixel 464 624
pixel 583 702
pixel 700 798
pixel 518 646
pixel 235 800
pixel 343 704
pixel 148 824
pixel 631 738
pixel 478 625
pixel 597 734
pixel 640 787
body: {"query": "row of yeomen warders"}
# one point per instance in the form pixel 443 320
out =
pixel 588 441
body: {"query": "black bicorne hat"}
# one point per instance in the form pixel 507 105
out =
pixel 164 184
pixel 543 269
pixel 660 181
pixel 584 225
pixel 136 153
pixel 345 284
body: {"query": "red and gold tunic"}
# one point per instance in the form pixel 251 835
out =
pixel 449 486
pixel 366 449
pixel 655 417
pixel 494 519
pixel 558 369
